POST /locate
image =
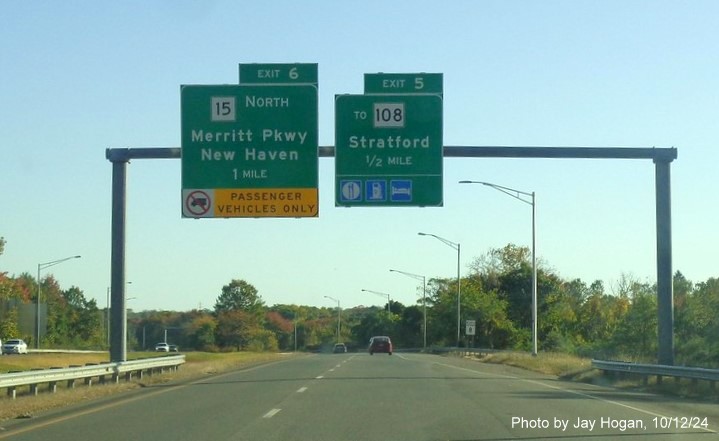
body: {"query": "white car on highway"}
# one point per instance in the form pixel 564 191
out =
pixel 162 347
pixel 14 346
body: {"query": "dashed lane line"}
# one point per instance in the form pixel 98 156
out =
pixel 271 413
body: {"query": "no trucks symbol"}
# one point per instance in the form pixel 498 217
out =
pixel 197 203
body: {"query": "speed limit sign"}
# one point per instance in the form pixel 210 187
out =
pixel 470 327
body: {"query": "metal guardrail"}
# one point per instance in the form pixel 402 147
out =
pixel 644 370
pixel 35 378
pixel 658 370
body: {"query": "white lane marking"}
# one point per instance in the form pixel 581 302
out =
pixel 271 413
pixel 339 365
pixel 319 377
pixel 575 392
pixel 302 389
pixel 332 370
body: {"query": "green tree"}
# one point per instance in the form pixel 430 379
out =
pixel 599 318
pixel 500 260
pixel 9 324
pixel 58 320
pixel 8 316
pixel 408 327
pixel 200 332
pixel 240 311
pixel 375 321
pixel 559 324
pixel 489 311
pixel 9 288
pixel 239 295
pixel 683 289
pixel 26 288
pixel 83 317
pixel 281 327
pixel 700 326
pixel 442 312
pixel 636 334
pixel 240 329
pixel 261 340
pixel 508 272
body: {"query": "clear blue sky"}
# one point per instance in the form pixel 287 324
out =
pixel 79 77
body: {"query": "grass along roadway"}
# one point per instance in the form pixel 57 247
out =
pixel 571 368
pixel 198 365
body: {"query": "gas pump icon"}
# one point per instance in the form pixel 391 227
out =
pixel 376 190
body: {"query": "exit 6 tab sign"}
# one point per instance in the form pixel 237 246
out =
pixel 388 150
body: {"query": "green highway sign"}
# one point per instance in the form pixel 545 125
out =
pixel 403 83
pixel 279 73
pixel 249 151
pixel 388 150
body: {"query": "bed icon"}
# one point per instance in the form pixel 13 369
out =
pixel 400 190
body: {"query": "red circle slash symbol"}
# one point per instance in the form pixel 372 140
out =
pixel 197 203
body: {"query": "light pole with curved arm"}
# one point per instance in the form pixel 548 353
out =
pixel 127 327
pixel 455 246
pixel 383 294
pixel 338 316
pixel 424 300
pixel 41 266
pixel 521 196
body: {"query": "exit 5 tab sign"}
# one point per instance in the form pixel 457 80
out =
pixel 403 83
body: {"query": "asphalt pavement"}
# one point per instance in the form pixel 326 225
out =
pixel 337 397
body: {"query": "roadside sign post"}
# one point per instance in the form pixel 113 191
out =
pixel 470 327
pixel 470 330
pixel 249 151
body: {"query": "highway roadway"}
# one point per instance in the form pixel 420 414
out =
pixel 360 397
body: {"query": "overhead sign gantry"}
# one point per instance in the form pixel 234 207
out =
pixel 217 122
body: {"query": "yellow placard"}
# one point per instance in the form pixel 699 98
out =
pixel 269 202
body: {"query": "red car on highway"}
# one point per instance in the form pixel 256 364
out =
pixel 380 344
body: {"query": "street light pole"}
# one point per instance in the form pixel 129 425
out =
pixel 383 294
pixel 127 334
pixel 424 301
pixel 107 317
pixel 455 246
pixel 41 266
pixel 517 194
pixel 339 312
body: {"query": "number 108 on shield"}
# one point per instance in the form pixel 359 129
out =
pixel 389 115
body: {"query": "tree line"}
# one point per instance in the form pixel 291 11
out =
pixel 619 322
